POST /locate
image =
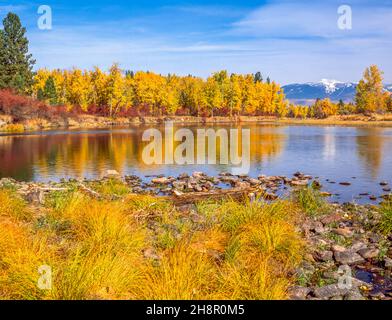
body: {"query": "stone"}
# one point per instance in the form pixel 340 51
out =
pixel 183 176
pixel 298 293
pixel 337 248
pixel 242 185
pixel 179 185
pixel 329 291
pixel 111 174
pixel 198 175
pixel 348 257
pixel 345 183
pixel 354 295
pixel 388 263
pixel 197 188
pixel 358 246
pixel 384 183
pixel 299 183
pixel 332 218
pixel 369 253
pixel 323 256
pixel 35 196
pixel 162 180
pixel 345 232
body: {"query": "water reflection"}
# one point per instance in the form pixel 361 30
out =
pixel 370 144
pixel 91 153
pixel 336 153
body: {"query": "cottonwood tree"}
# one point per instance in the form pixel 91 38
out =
pixel 370 96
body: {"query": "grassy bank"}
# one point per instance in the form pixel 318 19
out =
pixel 141 247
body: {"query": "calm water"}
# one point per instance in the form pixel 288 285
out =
pixel 361 156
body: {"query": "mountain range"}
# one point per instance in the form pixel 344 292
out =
pixel 307 93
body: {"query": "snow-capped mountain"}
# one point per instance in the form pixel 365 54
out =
pixel 307 93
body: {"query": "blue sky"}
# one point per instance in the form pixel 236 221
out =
pixel 291 41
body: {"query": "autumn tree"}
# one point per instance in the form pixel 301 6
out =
pixel 370 96
pixel 115 90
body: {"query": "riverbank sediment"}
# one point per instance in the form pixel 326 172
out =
pixel 8 124
pixel 307 248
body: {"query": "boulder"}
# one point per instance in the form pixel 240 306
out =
pixel 298 293
pixel 369 253
pixel 348 257
pixel 345 232
pixel 329 291
pixel 162 180
pixel 112 174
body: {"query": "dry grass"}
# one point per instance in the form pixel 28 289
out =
pixel 13 128
pixel 96 249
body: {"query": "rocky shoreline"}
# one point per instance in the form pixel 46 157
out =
pixel 347 258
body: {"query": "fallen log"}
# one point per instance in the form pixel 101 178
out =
pixel 234 194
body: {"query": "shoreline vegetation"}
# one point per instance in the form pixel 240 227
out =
pixel 7 124
pixel 104 241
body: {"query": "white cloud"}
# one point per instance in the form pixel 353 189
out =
pixel 291 42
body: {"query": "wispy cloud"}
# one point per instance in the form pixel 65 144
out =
pixel 292 41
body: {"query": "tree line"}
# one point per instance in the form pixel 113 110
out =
pixel 117 92
pixel 123 92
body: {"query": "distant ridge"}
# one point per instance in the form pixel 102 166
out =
pixel 307 93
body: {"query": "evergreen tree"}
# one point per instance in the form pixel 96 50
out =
pixel 268 80
pixel 40 94
pixel 50 93
pixel 15 61
pixel 258 77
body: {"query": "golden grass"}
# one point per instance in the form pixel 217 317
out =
pixel 96 249
pixel 13 128
pixel 13 206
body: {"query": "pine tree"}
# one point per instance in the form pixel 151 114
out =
pixel 268 80
pixel 15 61
pixel 50 92
pixel 258 77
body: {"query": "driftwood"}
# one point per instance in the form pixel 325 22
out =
pixel 235 194
pixel 89 191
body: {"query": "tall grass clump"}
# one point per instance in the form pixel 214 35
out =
pixel 106 251
pixel 13 206
pixel 182 274
pixel 386 217
pixel 311 201
pixel 21 254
